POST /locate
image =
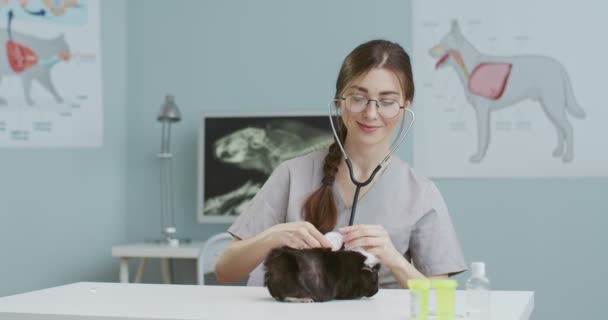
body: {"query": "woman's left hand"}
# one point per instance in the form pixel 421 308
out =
pixel 374 239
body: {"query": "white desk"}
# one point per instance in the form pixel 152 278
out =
pixel 105 301
pixel 153 250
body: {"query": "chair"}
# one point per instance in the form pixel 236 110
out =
pixel 211 251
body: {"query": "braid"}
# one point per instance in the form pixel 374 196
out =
pixel 330 165
pixel 320 207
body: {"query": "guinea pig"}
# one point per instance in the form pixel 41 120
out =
pixel 319 274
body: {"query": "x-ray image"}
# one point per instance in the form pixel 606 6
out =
pixel 238 153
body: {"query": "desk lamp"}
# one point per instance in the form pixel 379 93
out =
pixel 169 114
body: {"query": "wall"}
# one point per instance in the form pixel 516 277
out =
pixel 62 209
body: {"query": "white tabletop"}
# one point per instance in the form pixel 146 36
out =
pixel 94 300
pixel 155 250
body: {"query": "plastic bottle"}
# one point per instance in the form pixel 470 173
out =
pixel 445 293
pixel 419 298
pixel 478 293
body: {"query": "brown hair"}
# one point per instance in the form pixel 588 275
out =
pixel 320 208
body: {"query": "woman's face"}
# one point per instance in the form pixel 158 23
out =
pixel 368 127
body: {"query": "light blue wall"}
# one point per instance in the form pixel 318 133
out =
pixel 62 209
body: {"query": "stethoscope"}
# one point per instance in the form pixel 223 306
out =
pixel 349 164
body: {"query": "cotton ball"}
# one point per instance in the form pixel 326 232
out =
pixel 370 259
pixel 335 238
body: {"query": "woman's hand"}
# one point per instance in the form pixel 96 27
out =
pixel 375 240
pixel 297 235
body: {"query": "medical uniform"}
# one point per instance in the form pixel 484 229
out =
pixel 408 206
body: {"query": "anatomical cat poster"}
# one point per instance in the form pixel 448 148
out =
pixel 50 71
pixel 509 89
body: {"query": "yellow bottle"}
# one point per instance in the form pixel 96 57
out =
pixel 419 298
pixel 445 293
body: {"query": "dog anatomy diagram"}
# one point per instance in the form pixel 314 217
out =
pixel 495 82
pixel 50 74
pixel 501 99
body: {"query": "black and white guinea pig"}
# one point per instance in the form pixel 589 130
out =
pixel 319 274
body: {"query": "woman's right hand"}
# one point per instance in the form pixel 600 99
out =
pixel 297 235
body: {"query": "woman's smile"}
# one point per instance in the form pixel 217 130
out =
pixel 367 128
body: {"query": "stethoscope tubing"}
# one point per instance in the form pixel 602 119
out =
pixel 359 184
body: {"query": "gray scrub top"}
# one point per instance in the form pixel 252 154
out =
pixel 408 206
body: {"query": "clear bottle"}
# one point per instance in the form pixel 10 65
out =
pixel 478 293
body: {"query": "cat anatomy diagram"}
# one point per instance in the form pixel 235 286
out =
pixel 50 79
pixel 497 99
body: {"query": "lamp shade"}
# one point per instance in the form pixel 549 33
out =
pixel 169 111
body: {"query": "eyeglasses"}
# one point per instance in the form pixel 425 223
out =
pixel 387 108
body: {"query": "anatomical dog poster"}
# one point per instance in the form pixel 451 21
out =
pixel 50 74
pixel 509 88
